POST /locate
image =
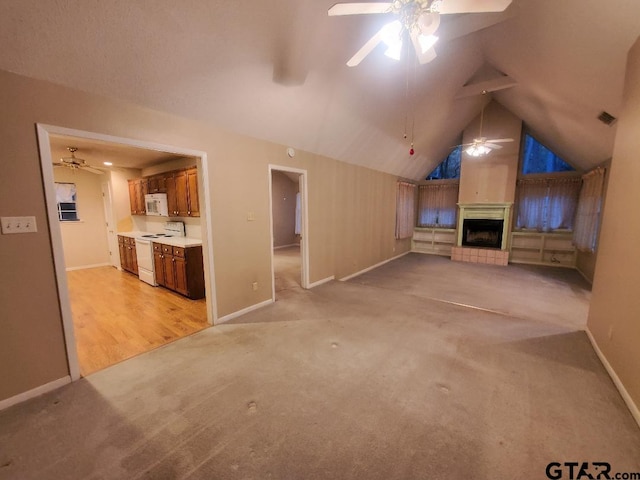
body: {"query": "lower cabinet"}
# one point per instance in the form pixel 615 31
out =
pixel 128 257
pixel 179 269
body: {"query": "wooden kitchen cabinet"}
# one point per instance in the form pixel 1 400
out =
pixel 179 269
pixel 138 188
pixel 182 193
pixel 157 183
pixel 128 256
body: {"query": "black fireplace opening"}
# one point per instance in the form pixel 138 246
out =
pixel 482 233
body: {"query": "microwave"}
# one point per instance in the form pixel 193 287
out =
pixel 156 204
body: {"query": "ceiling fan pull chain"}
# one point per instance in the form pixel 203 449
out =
pixel 413 103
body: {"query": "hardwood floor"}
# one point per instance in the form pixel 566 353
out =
pixel 116 316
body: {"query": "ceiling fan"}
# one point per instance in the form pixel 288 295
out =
pixel 483 145
pixel 417 19
pixel 76 163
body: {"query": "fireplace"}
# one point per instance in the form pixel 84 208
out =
pixel 484 233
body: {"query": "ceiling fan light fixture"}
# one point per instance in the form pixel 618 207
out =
pixel 427 42
pixel 477 150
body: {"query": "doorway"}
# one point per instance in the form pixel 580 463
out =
pixel 67 285
pixel 289 239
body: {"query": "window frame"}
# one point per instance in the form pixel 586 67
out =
pixel 61 211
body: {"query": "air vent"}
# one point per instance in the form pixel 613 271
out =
pixel 607 118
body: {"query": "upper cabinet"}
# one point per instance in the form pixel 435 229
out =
pixel 182 193
pixel 181 187
pixel 157 183
pixel 138 188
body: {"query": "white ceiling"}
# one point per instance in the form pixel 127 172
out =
pixel 276 70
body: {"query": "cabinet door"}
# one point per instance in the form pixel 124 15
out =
pixel 134 258
pixel 123 253
pixel 133 199
pixel 180 267
pixel 192 190
pixel 172 203
pixel 158 266
pixel 169 271
pixel 182 199
pixel 141 190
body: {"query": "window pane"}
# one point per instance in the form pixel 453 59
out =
pixel 536 158
pixel 68 216
pixel 449 168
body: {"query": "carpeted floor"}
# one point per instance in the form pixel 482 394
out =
pixel 388 376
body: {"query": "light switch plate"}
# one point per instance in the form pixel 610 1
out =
pixel 18 225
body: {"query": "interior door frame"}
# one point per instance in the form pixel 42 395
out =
pixel 43 132
pixel 304 241
pixel 112 240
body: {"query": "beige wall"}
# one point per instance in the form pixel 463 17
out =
pixel 491 178
pixel 614 317
pixel 283 195
pixel 85 242
pixel 351 215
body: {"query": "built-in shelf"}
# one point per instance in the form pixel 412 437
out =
pixel 543 248
pixel 437 241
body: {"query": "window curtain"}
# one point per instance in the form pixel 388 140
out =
pixel 65 192
pixel 438 205
pixel 588 215
pixel 405 209
pixel 546 204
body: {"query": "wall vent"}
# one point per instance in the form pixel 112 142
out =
pixel 607 118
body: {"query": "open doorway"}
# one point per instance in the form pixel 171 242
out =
pixel 109 314
pixel 288 230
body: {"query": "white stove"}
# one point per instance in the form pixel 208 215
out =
pixel 144 250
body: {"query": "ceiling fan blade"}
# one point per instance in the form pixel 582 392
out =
pixel 499 140
pixel 93 170
pixel 492 145
pixel 359 8
pixel 473 6
pixel 366 49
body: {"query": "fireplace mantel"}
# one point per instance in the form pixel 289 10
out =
pixel 485 211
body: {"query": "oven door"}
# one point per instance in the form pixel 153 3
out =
pixel 144 255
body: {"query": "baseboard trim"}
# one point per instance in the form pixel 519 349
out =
pixel 320 282
pixel 84 267
pixel 239 313
pixel 287 246
pixel 633 408
pixel 584 276
pixel 368 269
pixel 35 392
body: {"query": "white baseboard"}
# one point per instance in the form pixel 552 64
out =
pixel 36 392
pixel 320 282
pixel 287 246
pixel 353 275
pixel 589 281
pixel 84 267
pixel 239 313
pixel 633 408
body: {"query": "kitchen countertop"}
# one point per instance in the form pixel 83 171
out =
pixel 173 241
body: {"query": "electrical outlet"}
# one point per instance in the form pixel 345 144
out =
pixel 18 225
pixel 251 216
pixel 254 285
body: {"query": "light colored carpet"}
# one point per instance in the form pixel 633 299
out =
pixel 286 269
pixel 367 379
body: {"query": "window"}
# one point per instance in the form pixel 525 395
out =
pixel 449 168
pixel 588 216
pixel 536 158
pixel 405 209
pixel 438 204
pixel 546 204
pixel 66 202
pixel 546 194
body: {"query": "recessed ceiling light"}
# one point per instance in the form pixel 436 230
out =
pixel 108 164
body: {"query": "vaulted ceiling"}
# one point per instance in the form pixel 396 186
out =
pixel 276 70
